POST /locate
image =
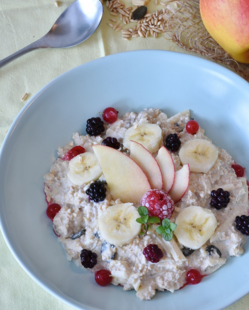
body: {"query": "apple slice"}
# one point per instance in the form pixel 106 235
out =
pixel 147 162
pixel 181 183
pixel 167 166
pixel 125 179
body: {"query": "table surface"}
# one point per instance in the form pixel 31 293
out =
pixel 21 23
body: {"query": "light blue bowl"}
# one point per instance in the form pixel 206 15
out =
pixel 219 101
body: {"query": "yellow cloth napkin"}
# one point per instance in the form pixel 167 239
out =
pixel 21 23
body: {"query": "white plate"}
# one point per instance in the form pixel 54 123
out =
pixel 173 82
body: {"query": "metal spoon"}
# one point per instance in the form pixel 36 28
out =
pixel 76 24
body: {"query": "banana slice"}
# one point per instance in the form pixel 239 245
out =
pixel 118 225
pixel 199 154
pixel 149 135
pixel 84 168
pixel 195 225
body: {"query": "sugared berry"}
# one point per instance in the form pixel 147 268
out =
pixel 110 115
pixel 242 224
pixel 193 276
pixel 103 277
pixel 111 142
pixel 153 253
pixel 88 258
pixel 76 150
pixel 186 251
pixel 219 198
pixel 240 171
pixel 213 250
pixel 192 127
pixel 94 126
pixel 52 210
pixel 97 191
pixel 158 203
pixel 172 142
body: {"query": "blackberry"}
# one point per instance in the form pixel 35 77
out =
pixel 242 224
pixel 219 198
pixel 212 250
pixel 153 253
pixel 186 251
pixel 96 191
pixel 172 142
pixel 88 258
pixel 111 142
pixel 94 126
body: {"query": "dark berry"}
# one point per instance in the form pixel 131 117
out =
pixel 110 115
pixel 212 250
pixel 242 224
pixel 219 198
pixel 88 258
pixel 111 142
pixel 172 142
pixel 103 277
pixel 153 253
pixel 97 191
pixel 94 126
pixel 193 276
pixel 52 210
pixel 192 127
pixel 76 150
pixel 240 171
pixel 186 251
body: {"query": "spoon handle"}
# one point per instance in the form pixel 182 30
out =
pixel 35 45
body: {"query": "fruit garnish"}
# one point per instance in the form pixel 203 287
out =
pixel 76 150
pixel 145 219
pixel 111 142
pixel 78 234
pixel 192 127
pixel 172 142
pixel 88 258
pixel 187 251
pixel 219 199
pixel 52 210
pixel 103 277
pixel 152 253
pixel 193 276
pixel 94 126
pixel 110 115
pixel 166 229
pixel 240 171
pixel 181 183
pixel 213 250
pixel 97 191
pixel 242 224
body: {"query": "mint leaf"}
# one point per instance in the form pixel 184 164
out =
pixel 160 229
pixel 166 229
pixel 148 227
pixel 173 226
pixel 144 219
pixel 168 236
pixel 154 219
pixel 142 233
pixel 166 223
pixel 139 220
pixel 142 211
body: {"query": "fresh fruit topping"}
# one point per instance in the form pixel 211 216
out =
pixel 125 179
pixel 187 251
pixel 213 250
pixel 172 142
pixel 158 203
pixel 111 142
pixel 192 127
pixel 103 277
pixel 97 191
pixel 153 253
pixel 200 154
pixel 240 171
pixel 110 115
pixel 195 225
pixel 219 198
pixel 181 183
pixel 193 276
pixel 76 150
pixel 88 258
pixel 78 234
pixel 166 229
pixel 147 162
pixel 94 126
pixel 52 210
pixel 145 219
pixel 56 234
pixel 84 168
pixel 242 224
pixel 149 135
pixel 167 167
pixel 139 13
pixel 117 224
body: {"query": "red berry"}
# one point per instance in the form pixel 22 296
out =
pixel 192 127
pixel 153 253
pixel 158 203
pixel 240 171
pixel 110 115
pixel 103 277
pixel 193 276
pixel 52 210
pixel 76 150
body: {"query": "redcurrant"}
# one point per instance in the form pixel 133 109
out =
pixel 110 115
pixel 193 276
pixel 76 150
pixel 192 127
pixel 240 171
pixel 52 210
pixel 103 277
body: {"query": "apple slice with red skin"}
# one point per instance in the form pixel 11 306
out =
pixel 125 179
pixel 167 167
pixel 181 183
pixel 147 162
